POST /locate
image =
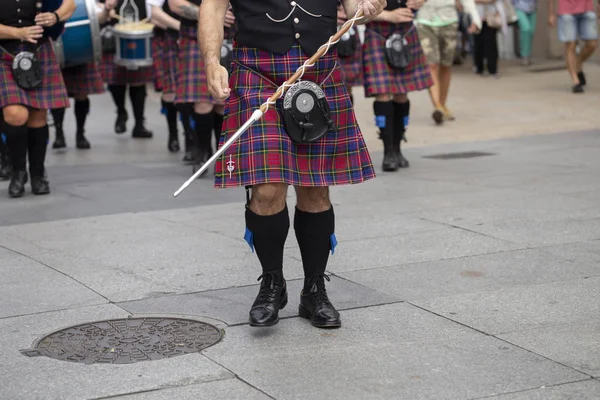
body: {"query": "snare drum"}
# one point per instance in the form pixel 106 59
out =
pixel 80 42
pixel 134 45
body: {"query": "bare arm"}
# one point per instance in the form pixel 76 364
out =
pixel 8 32
pixel 371 9
pixel 164 20
pixel 210 37
pixel 184 9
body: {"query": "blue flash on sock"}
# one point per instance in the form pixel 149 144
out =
pixel 333 241
pixel 193 123
pixel 3 137
pixel 380 121
pixel 406 119
pixel 163 111
pixel 249 238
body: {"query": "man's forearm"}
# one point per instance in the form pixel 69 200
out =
pixel 163 19
pixel 210 29
pixel 184 9
pixel 66 10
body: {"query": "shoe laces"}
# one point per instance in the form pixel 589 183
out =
pixel 268 288
pixel 317 285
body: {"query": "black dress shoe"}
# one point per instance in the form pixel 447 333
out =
pixel 271 298
pixel 59 141
pixel 173 146
pixel 82 142
pixel 316 306
pixel 39 185
pixel 121 123
pixel 139 132
pixel 17 184
pixel 581 77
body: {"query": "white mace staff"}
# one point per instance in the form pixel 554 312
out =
pixel 258 113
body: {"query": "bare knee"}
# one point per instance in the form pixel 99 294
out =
pixel 591 45
pixel 571 46
pixel 401 98
pixel 219 109
pixel 269 198
pixel 37 118
pixel 203 108
pixel 313 199
pixel 168 97
pixel 16 115
pixel 383 97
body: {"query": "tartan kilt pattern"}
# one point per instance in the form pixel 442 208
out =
pixel 121 76
pixel 380 77
pixel 50 94
pixel 352 68
pixel 165 50
pixel 83 80
pixel 192 86
pixel 265 153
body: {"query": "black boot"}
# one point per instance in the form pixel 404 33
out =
pixel 82 109
pixel 218 129
pixel 5 165
pixel 203 127
pixel 384 119
pixel 58 115
pixel 401 117
pixel 185 111
pixel 118 94
pixel 16 143
pixel 37 142
pixel 315 235
pixel 267 235
pixel 137 96
pixel 171 113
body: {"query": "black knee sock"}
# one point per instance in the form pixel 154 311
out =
pixel 171 113
pixel 203 128
pixel 401 116
pixel 384 120
pixel 16 143
pixel 82 109
pixel 118 95
pixel 185 111
pixel 218 128
pixel 37 143
pixel 266 235
pixel 137 95
pixel 316 238
pixel 58 115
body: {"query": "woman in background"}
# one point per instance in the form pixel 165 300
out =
pixel 526 14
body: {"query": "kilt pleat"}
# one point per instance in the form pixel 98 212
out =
pixel 379 76
pixel 50 94
pixel 158 58
pixel 265 153
pixel 165 50
pixel 114 74
pixel 192 86
pixel 352 68
pixel 83 80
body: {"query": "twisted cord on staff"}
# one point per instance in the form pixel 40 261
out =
pixel 258 113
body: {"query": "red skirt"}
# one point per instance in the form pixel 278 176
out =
pixel 380 77
pixel 50 94
pixel 83 80
pixel 192 86
pixel 121 76
pixel 265 153
pixel 165 53
pixel 352 68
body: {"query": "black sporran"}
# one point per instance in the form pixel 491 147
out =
pixel 397 51
pixel 227 53
pixel 348 44
pixel 27 70
pixel 306 114
pixel 109 40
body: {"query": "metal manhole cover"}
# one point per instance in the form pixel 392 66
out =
pixel 453 156
pixel 127 341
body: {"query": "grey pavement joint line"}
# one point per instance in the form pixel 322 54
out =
pixel 467 230
pixel 61 309
pixel 530 389
pixel 177 223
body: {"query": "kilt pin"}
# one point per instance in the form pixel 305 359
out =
pixel 83 80
pixel 50 94
pixel 379 76
pixel 265 153
pixel 165 52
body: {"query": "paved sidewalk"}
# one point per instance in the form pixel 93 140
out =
pixel 474 274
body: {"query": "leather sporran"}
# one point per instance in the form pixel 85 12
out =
pixel 348 44
pixel 397 51
pixel 109 40
pixel 306 114
pixel 27 70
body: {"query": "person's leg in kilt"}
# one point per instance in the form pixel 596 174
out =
pixel 5 164
pixel 37 143
pixel 58 116
pixel 15 129
pixel 118 93
pixel 137 95
pixel 384 119
pixel 267 226
pixel 170 111
pixel 185 111
pixel 401 119
pixel 82 109
pixel 314 224
pixel 203 127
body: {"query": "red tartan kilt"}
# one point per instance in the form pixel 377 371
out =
pixel 83 80
pixel 265 153
pixel 117 75
pixel 192 86
pixel 50 94
pixel 352 68
pixel 379 76
pixel 158 54
pixel 165 50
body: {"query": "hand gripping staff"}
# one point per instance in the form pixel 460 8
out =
pixel 258 113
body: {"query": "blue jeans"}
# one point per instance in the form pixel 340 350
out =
pixel 582 26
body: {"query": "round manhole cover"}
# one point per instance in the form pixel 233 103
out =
pixel 127 341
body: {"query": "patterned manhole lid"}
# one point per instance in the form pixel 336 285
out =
pixel 459 155
pixel 127 341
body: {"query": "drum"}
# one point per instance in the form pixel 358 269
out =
pixel 80 42
pixel 134 44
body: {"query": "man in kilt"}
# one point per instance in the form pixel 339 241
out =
pixel 273 39
pixel 390 83
pixel 192 90
pixel 24 99
pixel 119 78
pixel 164 52
pixel 351 63
pixel 81 81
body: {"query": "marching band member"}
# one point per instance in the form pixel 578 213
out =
pixel 391 72
pixel 350 55
pixel 164 49
pixel 81 81
pixel 273 40
pixel 119 78
pixel 31 84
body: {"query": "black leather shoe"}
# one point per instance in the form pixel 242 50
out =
pixel 59 141
pixel 271 298
pixel 139 132
pixel 17 184
pixel 400 160
pixel 121 123
pixel 173 146
pixel 390 163
pixel 39 185
pixel 5 168
pixel 316 306
pixel 82 142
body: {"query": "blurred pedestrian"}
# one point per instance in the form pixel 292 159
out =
pixel 526 14
pixel 485 51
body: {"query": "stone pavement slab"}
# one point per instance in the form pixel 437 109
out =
pixel 232 305
pixel 584 390
pixel 393 351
